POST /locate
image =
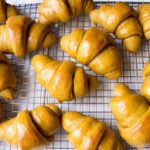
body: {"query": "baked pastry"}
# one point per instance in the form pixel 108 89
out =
pixel 120 19
pixel 63 80
pixel 6 11
pixel 31 129
pixel 21 34
pixel 55 11
pixel 132 113
pixel 7 78
pixel 87 133
pixel 144 13
pixel 94 48
pixel 145 88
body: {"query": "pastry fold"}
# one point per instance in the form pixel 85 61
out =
pixel 21 35
pixel 63 80
pixel 132 113
pixel 94 48
pixel 55 11
pixel 120 19
pixel 87 133
pixel 31 129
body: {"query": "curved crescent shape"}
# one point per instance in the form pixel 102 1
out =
pixel 120 19
pixel 132 113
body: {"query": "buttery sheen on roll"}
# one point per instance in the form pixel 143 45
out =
pixel 31 129
pixel 87 133
pixel 64 80
pixel 55 11
pixel 132 112
pixel 21 35
pixel 94 48
pixel 120 19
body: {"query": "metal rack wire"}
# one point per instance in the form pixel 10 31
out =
pixel 29 93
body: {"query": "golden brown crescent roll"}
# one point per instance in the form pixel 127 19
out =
pixel 7 78
pixel 132 113
pixel 94 48
pixel 119 19
pixel 63 80
pixel 144 18
pixel 30 129
pixel 21 34
pixel 145 88
pixel 87 133
pixel 6 11
pixel 55 11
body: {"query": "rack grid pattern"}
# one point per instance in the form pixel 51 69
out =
pixel 30 94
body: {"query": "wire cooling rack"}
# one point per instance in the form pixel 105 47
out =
pixel 30 94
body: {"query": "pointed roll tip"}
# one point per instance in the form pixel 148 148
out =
pixel 114 74
pixel 121 89
pixel 132 44
pixel 69 119
pixel 64 42
pixel 49 39
pixel 7 93
pixel 93 82
pixel 39 61
pixel 55 109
